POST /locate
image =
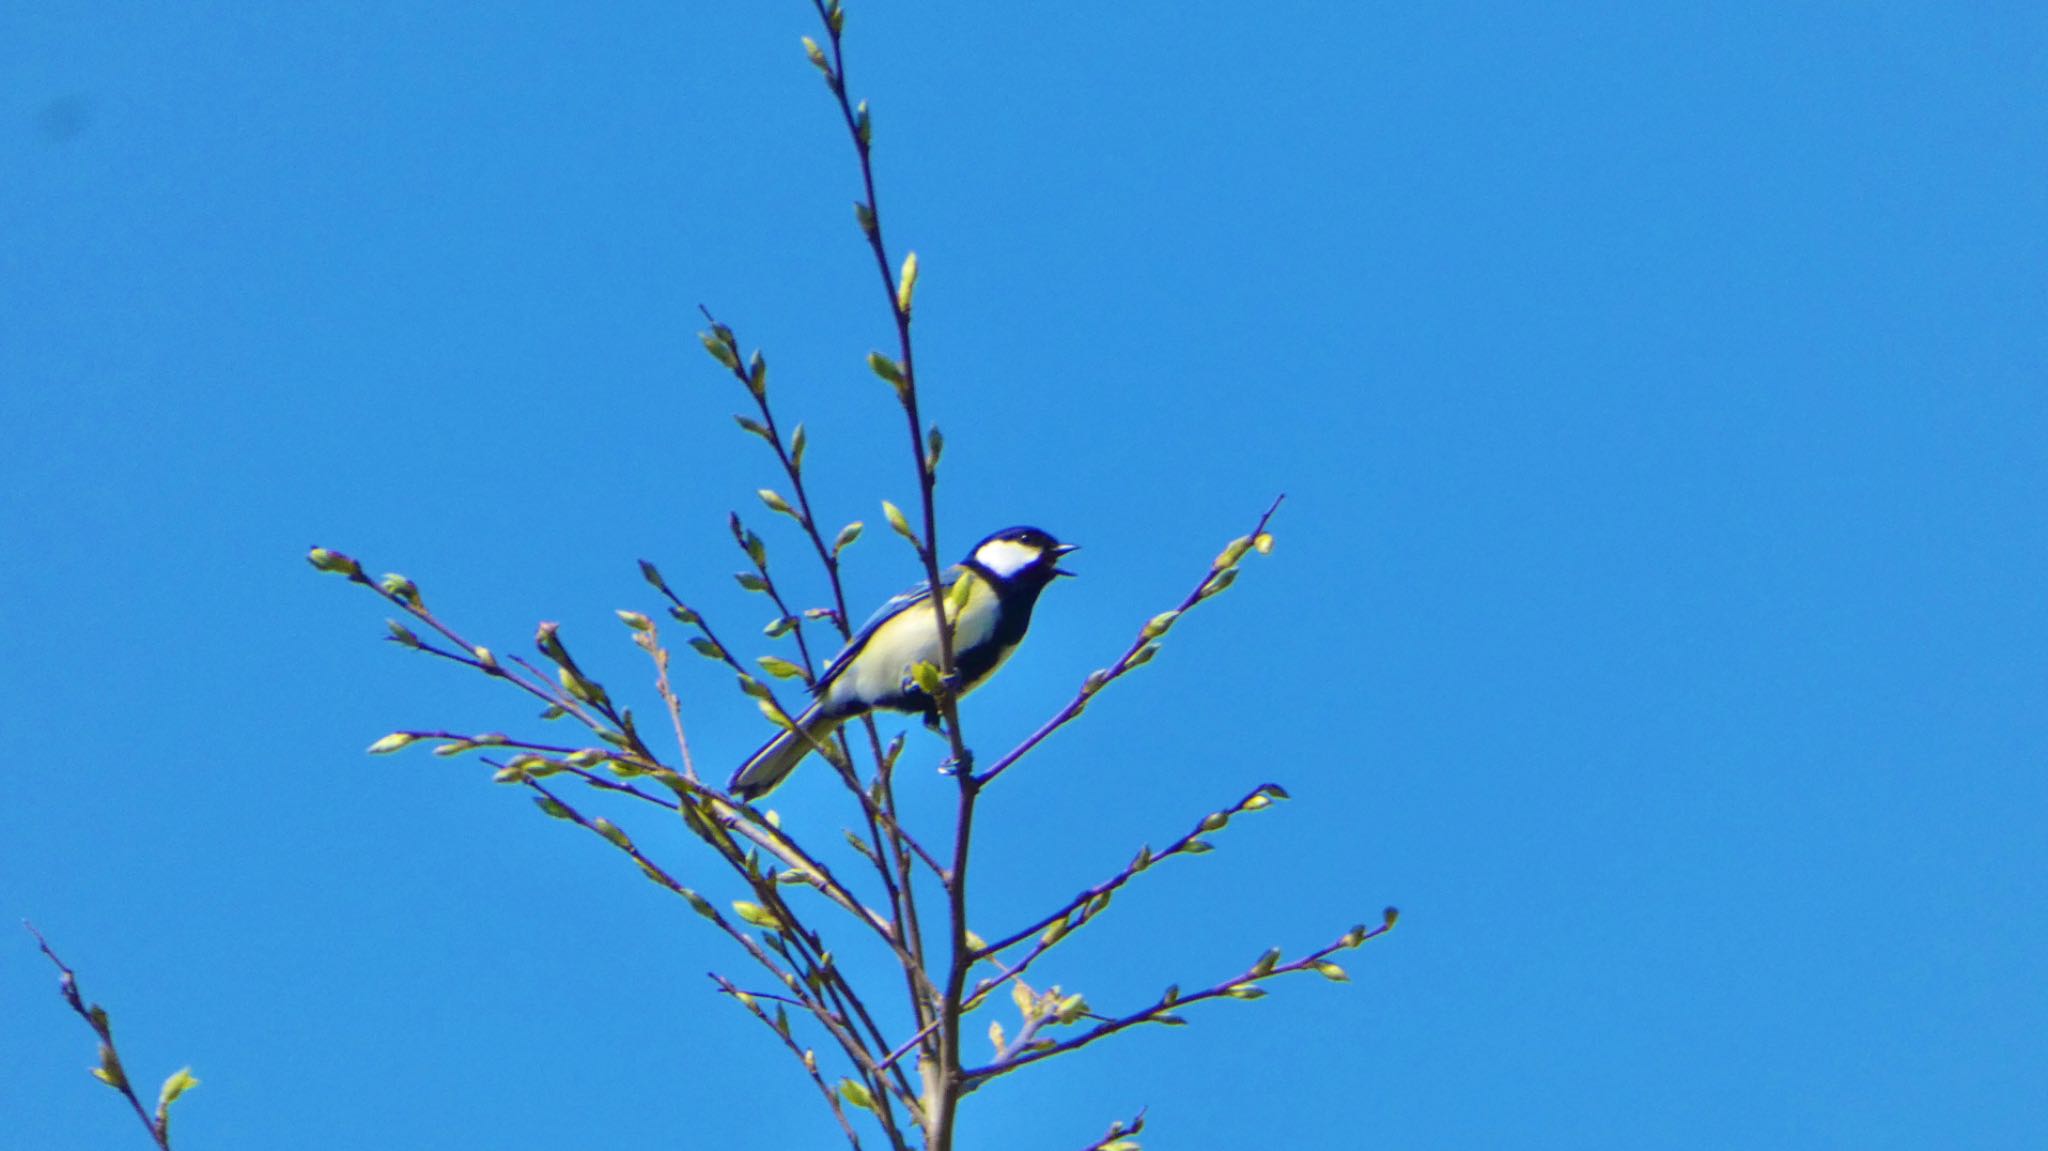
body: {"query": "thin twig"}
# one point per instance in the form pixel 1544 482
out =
pixel 1146 638
pixel 110 1071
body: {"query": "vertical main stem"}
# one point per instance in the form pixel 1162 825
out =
pixel 939 1063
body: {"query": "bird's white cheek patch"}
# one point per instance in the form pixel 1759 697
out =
pixel 1006 557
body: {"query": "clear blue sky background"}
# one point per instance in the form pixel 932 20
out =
pixel 1657 613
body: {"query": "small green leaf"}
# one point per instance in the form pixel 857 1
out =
pixel 779 668
pixel 1198 847
pixel 402 634
pixel 776 503
pixel 926 676
pixel 1246 991
pixel 706 648
pixel 756 427
pixel 635 620
pixel 750 581
pixel 392 742
pixel 779 626
pixel 1332 972
pixel 611 831
pixel 551 807
pixel 757 915
pixel 1267 962
pixel 181 1081
pixel 754 687
pixel 651 574
pixel 856 1094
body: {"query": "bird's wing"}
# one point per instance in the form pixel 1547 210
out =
pixel 888 611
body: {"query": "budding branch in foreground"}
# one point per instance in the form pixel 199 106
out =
pixel 886 1001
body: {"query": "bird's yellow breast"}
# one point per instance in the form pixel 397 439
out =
pixel 911 637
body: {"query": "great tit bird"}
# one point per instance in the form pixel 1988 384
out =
pixel 1006 572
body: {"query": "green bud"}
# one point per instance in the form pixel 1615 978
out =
pixel 1158 624
pixel 1143 656
pixel 392 742
pixel 1216 821
pixel 757 376
pixel 1267 962
pixel 401 634
pixel 1332 972
pixel 706 648
pixel 750 581
pixel 779 626
pixel 651 574
pixel 635 620
pixel 779 668
pixel 1232 554
pixel 551 808
pixel 1198 847
pixel 847 535
pixel 797 443
pixel 753 687
pixel 906 284
pixel 865 217
pixel 757 915
pixel 888 369
pixel 897 521
pixel 335 562
pixel 927 678
pixel 756 427
pixel 1246 991
pixel 720 350
pixel 776 503
pixel 400 588
pixel 1219 583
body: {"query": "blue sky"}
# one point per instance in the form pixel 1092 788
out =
pixel 1656 617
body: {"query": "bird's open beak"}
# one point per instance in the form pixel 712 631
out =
pixel 1060 551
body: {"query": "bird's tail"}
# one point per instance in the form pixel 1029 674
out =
pixel 768 767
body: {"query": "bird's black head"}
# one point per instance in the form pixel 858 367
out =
pixel 1021 555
